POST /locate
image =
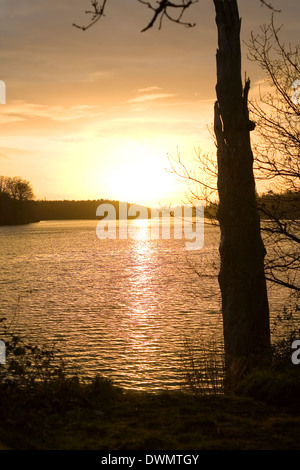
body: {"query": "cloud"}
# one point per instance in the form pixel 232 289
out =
pixel 8 152
pixel 148 89
pixel 22 111
pixel 72 139
pixel 4 156
pixel 151 97
pixel 99 75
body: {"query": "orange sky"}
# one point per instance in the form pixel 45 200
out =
pixel 94 114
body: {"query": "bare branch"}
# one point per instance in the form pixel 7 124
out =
pixel 268 5
pixel 97 13
pixel 162 10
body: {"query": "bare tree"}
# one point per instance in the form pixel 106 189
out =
pixel 242 282
pixel 276 146
pixel 204 189
pixel 277 152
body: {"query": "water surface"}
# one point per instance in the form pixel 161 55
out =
pixel 124 308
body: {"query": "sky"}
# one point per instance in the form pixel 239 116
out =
pixel 98 114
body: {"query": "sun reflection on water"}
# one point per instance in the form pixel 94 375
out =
pixel 142 327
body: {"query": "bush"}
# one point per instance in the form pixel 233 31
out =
pixel 272 387
pixel 280 383
pixel 203 364
pixel 27 363
pixel 286 330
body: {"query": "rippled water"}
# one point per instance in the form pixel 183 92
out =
pixel 120 307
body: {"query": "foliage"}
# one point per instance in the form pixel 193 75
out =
pixel 16 194
pixel 17 188
pixel 26 363
pixel 279 384
pixel 67 415
pixel 53 410
pixel 286 329
pixel 279 388
pixel 86 209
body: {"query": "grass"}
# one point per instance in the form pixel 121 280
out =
pixel 67 414
pixel 44 408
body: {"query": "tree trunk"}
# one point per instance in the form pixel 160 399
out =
pixel 242 282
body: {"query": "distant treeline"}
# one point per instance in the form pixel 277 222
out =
pixel 13 211
pixel 16 212
pixel 280 206
pixel 270 205
pixel 68 210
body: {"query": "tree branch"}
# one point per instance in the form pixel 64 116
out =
pixel 268 5
pixel 97 13
pixel 163 10
pixel 160 11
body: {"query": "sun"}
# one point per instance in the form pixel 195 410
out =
pixel 140 176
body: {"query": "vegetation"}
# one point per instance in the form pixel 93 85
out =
pixel 270 205
pixel 246 327
pixel 42 406
pixel 66 414
pixel 276 147
pixel 68 210
pixel 15 197
pixel 16 188
pixel 17 205
pixel 14 210
pixel 275 119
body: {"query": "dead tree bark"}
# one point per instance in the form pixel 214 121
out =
pixel 242 282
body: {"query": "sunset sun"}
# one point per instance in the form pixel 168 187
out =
pixel 141 176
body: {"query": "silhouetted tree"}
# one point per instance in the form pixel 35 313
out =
pixel 276 148
pixel 242 281
pixel 277 152
pixel 15 198
pixel 18 188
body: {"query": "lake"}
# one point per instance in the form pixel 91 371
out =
pixel 121 307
